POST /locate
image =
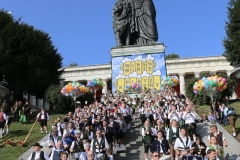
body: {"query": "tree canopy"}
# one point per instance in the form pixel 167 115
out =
pixel 172 56
pixel 232 41
pixel 28 58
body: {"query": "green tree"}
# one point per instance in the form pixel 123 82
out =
pixel 172 56
pixel 28 58
pixel 202 99
pixel 58 102
pixel 232 41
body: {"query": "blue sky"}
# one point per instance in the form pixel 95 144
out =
pixel 82 29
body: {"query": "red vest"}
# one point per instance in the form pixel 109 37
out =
pixel 40 115
pixel 1 117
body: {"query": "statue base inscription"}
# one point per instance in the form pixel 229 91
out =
pixel 142 64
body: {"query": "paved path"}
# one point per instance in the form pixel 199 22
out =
pixel 233 145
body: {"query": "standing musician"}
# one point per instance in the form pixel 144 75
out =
pixel 174 115
pixel 160 144
pixel 108 133
pixel 27 108
pixel 183 144
pixel 97 123
pixel 189 116
pixel 99 145
pixel 77 146
pixel 125 112
pixel 172 135
pixel 15 110
pixel 147 134
pixel 54 138
pixel 42 118
pixel 120 133
pixel 69 134
pixel 87 133
pixel 56 151
pixel 159 127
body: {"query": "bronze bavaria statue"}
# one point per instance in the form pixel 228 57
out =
pixel 134 22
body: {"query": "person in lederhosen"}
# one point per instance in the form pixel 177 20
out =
pixel 42 118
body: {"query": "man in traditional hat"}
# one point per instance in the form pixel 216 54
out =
pixel 38 154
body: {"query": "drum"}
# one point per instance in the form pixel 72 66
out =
pixel 165 157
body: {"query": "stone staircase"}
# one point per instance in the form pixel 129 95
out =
pixel 133 146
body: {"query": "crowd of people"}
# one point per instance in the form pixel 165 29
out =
pixel 96 131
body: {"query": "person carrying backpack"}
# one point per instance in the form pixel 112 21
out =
pixel 232 119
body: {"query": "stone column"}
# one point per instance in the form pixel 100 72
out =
pixel 182 83
pixel 228 73
pixel 104 90
pixel 197 74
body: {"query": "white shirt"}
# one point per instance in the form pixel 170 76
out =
pixel 49 140
pixel 73 143
pixel 54 149
pixel 65 132
pixel 175 116
pixel 160 118
pixel 99 141
pixel 7 119
pixel 4 116
pixel 83 156
pixel 223 136
pixel 189 117
pixel 144 131
pixel 178 143
pixel 124 111
pixel 42 115
pixel 160 147
pixel 37 155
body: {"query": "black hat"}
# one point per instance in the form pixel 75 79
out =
pixel 38 145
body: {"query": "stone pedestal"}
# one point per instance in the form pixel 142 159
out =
pixel 143 64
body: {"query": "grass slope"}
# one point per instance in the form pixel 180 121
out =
pixel 236 105
pixel 19 130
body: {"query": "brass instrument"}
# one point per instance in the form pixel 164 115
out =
pixel 2 144
pixel 20 143
pixel 3 139
pixel 10 141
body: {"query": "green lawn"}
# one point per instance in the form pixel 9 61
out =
pixel 10 152
pixel 236 105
